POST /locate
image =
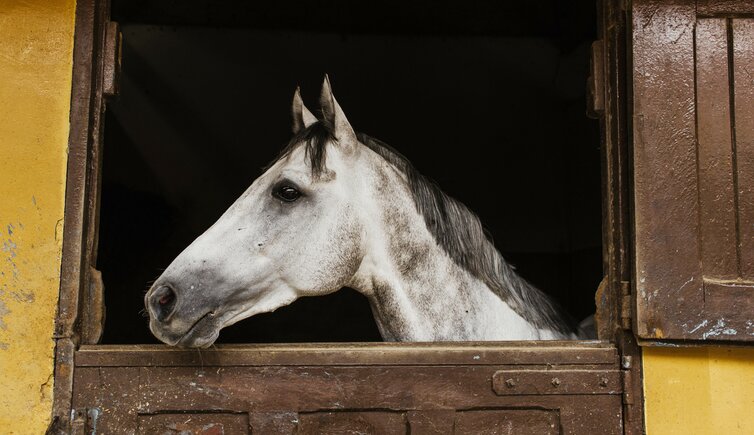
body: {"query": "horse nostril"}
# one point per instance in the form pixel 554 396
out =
pixel 167 298
pixel 163 302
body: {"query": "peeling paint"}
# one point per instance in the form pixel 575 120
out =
pixel 665 344
pixel 750 327
pixel 699 326
pixel 10 247
pixel 717 329
pixel 37 36
pixel 3 312
pixel 23 296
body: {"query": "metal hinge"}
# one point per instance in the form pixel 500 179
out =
pixel 626 366
pixel 556 381
pixel 625 305
pixel 84 421
pixel 111 58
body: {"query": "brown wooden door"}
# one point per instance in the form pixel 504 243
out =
pixel 521 388
pixel 693 160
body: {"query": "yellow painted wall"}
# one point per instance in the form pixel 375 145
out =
pixel 36 49
pixel 706 390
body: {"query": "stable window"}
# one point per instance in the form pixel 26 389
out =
pixel 204 95
pixel 494 113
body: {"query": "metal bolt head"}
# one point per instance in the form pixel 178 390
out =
pixel 626 361
pixel 510 383
pixel 555 382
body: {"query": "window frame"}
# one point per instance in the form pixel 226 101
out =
pixel 81 299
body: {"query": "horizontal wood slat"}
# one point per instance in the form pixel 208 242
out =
pixel 724 8
pixel 519 353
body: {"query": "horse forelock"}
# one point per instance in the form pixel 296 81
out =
pixel 314 139
pixel 456 229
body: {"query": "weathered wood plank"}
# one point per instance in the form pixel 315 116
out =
pixel 717 8
pixel 309 389
pixel 716 194
pixel 519 353
pixel 743 73
pixel 667 276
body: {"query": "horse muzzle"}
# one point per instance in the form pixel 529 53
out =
pixel 175 327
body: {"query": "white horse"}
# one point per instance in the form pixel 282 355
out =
pixel 340 209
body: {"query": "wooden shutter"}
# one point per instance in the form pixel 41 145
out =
pixel 693 162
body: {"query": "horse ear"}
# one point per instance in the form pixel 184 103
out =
pixel 334 115
pixel 302 117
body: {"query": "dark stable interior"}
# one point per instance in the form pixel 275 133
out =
pixel 487 98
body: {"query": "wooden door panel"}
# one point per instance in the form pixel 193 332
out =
pixel 272 395
pixel 716 189
pixel 666 227
pixel 693 160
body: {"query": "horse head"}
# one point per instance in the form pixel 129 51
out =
pixel 294 232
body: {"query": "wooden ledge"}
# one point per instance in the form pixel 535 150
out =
pixel 349 354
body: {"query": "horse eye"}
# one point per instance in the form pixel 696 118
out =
pixel 287 193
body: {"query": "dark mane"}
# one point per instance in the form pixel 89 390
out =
pixel 456 229
pixel 315 139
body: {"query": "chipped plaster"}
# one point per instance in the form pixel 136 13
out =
pixel 35 92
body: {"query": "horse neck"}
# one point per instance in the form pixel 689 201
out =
pixel 416 291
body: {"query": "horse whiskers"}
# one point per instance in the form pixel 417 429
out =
pixel 201 360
